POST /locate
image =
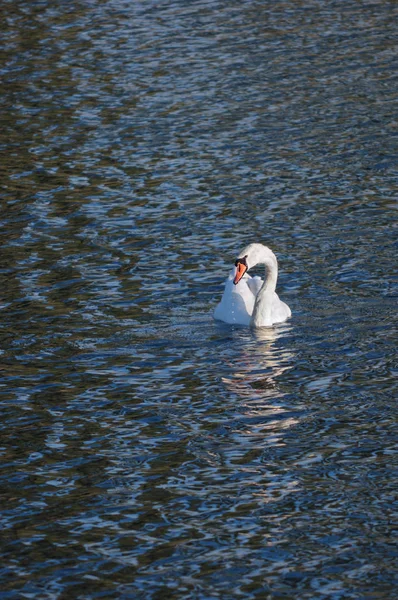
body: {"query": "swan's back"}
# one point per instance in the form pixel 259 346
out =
pixel 280 310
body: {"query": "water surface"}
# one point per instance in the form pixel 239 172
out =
pixel 147 450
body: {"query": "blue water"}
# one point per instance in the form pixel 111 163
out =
pixel 148 451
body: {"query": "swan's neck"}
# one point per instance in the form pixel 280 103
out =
pixel 262 311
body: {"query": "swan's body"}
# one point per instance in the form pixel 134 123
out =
pixel 250 300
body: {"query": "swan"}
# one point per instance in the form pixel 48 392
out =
pixel 250 300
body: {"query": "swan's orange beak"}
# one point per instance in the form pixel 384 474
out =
pixel 240 271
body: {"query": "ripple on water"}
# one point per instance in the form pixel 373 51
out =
pixel 147 450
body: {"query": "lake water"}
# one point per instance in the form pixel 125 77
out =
pixel 149 451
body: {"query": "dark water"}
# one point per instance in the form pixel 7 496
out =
pixel 148 451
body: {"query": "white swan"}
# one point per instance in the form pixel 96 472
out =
pixel 250 300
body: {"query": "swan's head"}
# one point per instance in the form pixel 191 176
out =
pixel 241 268
pixel 251 256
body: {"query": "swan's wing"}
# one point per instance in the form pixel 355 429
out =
pixel 237 302
pixel 280 310
pixel 254 284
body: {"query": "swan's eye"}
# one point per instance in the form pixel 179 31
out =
pixel 241 261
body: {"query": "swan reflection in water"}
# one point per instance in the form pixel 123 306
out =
pixel 264 416
pixel 254 379
pixel 260 364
